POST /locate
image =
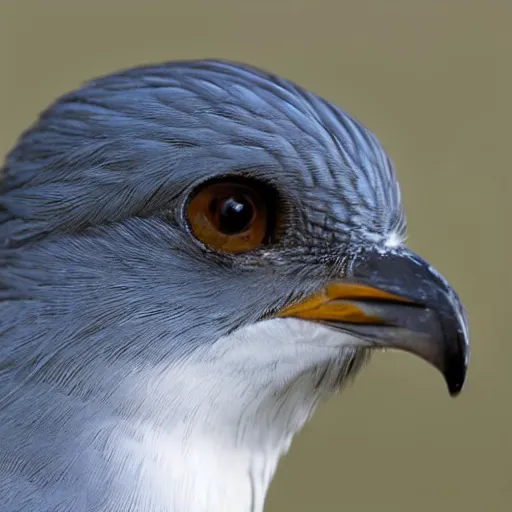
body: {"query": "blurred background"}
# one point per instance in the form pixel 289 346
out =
pixel 433 80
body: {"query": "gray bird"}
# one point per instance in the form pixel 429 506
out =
pixel 191 256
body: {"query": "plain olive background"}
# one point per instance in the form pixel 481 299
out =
pixel 433 80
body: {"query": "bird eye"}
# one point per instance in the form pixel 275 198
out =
pixel 229 216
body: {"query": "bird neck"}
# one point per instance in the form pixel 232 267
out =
pixel 211 430
pixel 197 473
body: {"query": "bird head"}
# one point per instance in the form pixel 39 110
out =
pixel 203 247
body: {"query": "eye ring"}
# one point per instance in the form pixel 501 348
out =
pixel 230 215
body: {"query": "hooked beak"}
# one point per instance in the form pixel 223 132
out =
pixel 396 300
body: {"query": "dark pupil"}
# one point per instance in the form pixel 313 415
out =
pixel 235 215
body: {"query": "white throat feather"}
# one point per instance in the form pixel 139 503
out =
pixel 213 425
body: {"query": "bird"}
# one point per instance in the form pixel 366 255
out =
pixel 193 255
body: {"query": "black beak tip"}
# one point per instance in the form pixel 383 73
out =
pixel 455 381
pixel 456 367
